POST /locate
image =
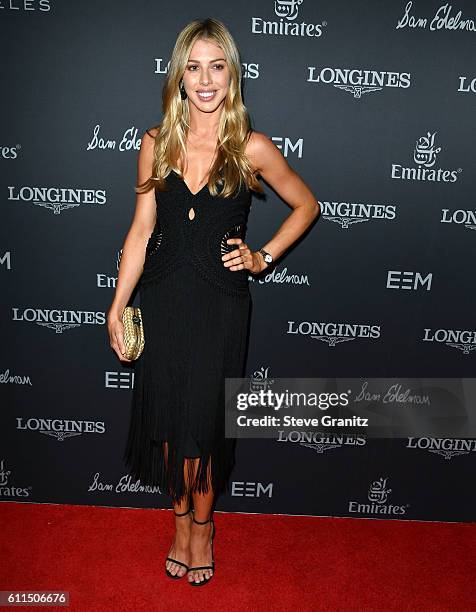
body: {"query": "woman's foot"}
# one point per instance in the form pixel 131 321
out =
pixel 201 552
pixel 180 548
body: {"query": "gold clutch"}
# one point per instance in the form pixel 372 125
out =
pixel 133 332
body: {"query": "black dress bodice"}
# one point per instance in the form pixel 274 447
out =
pixel 200 242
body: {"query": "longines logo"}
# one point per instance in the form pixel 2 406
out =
pixel 462 339
pixel 287 12
pixel 424 156
pixel 60 428
pixel 333 333
pixel 347 214
pixel 56 199
pixel 357 81
pixel 378 496
pixel 248 70
pixel 443 19
pixel 8 490
pixel 445 447
pixel 9 152
pixel 28 7
pixel 281 278
pixel 59 320
pixel 471 87
pixel 125 484
pixel 128 141
pixel 320 442
pixel 466 218
pixel 251 489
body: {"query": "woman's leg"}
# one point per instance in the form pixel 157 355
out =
pixel 200 544
pixel 180 548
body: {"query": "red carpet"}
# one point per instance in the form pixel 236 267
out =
pixel 113 558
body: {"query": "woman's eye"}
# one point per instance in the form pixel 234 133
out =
pixel 219 66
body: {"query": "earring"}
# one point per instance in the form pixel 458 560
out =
pixel 183 93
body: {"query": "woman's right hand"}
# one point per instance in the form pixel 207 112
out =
pixel 115 328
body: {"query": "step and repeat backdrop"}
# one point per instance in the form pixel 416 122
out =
pixel 374 105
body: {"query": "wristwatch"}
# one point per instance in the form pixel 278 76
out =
pixel 268 258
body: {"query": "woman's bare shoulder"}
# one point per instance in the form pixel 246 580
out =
pixel 257 147
pixel 153 131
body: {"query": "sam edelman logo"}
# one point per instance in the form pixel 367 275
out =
pixel 56 199
pixel 6 488
pixel 125 484
pixel 424 156
pixel 378 501
pixel 333 333
pixel 286 25
pixel 59 320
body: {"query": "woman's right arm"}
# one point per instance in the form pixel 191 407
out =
pixel 133 250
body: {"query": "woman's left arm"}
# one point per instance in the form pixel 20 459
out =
pixel 268 161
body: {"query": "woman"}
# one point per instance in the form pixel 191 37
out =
pixel 186 249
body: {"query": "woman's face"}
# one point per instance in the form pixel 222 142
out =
pixel 207 76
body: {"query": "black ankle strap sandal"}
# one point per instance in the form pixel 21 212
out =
pixel 212 566
pixel 169 574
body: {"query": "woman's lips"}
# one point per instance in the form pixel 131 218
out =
pixel 206 95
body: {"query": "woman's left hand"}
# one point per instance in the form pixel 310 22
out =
pixel 243 258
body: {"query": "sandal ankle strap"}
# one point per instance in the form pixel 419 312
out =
pixel 201 522
pixel 182 513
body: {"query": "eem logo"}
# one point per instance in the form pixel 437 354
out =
pixel 251 489
pixel 333 333
pixel 378 496
pixel 5 260
pixel 424 156
pixel 119 380
pixel 396 279
pixel 285 145
pixel 287 13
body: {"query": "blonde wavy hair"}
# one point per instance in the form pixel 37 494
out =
pixel 231 167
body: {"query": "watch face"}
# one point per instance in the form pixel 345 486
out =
pixel 268 258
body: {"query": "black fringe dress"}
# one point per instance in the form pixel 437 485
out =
pixel 196 316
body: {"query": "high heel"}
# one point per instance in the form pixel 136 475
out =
pixel 169 574
pixel 212 566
